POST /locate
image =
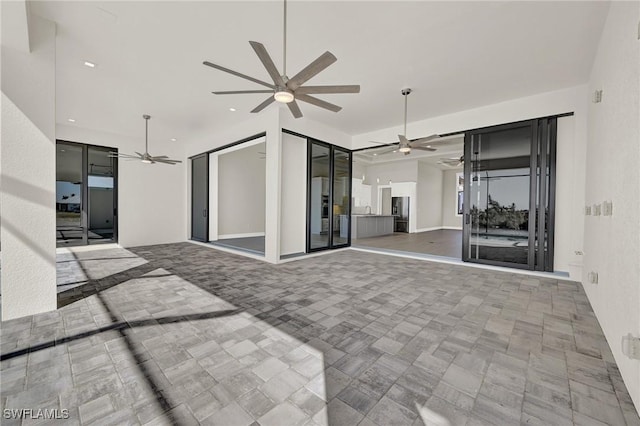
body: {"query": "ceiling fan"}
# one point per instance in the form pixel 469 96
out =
pixel 452 161
pixel 289 90
pixel 405 145
pixel 146 157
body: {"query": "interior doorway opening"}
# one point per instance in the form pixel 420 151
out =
pixel 409 203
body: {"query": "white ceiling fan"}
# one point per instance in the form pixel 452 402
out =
pixel 146 157
pixel 289 90
pixel 405 145
pixel 452 161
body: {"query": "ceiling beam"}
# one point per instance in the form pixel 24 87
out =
pixel 15 25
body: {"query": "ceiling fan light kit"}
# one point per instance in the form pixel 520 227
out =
pixel 145 158
pixel 289 90
pixel 283 96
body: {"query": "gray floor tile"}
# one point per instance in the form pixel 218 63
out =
pixel 181 333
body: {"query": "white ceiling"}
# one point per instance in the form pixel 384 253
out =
pixel 455 55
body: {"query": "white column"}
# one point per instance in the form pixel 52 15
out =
pixel 28 169
pixel 272 182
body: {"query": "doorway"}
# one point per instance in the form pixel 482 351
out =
pixel 509 186
pixel 86 194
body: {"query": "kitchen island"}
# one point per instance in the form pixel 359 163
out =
pixel 371 225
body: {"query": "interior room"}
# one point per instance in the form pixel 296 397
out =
pixel 237 192
pixel 428 185
pixel 317 213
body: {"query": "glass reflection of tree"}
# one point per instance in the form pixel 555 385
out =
pixel 499 216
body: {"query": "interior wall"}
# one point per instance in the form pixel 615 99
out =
pixel 611 243
pixel 294 195
pixel 28 166
pixel 241 191
pixel 381 174
pixel 151 197
pixel 450 216
pixel 429 197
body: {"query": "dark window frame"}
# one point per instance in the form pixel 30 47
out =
pixel 84 202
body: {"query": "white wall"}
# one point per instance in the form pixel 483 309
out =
pixel 571 152
pixel 429 197
pixel 450 216
pixel 612 243
pixel 151 197
pixel 381 174
pixel 27 166
pixel 294 195
pixel 241 191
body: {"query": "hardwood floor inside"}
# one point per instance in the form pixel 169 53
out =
pixel 443 242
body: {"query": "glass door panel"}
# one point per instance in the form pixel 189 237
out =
pixel 319 207
pixel 341 197
pixel 200 198
pixel 498 164
pixel 69 199
pixel 101 202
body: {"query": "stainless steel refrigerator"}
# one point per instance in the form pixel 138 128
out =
pixel 400 209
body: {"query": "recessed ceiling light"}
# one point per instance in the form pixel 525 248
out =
pixel 232 109
pixel 173 139
pixel 89 64
pixel 71 120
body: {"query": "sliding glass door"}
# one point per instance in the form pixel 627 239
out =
pixel 329 196
pixel 200 198
pixel 86 194
pixel 509 181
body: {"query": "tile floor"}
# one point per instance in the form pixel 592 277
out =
pixel 183 334
pixel 442 242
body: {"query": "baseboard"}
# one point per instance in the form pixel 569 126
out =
pixel 245 235
pixel 435 228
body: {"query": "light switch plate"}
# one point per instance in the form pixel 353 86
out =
pixel 593 277
pixel 587 210
pixel 597 96
pixel 596 209
pixel 607 208
pixel 631 346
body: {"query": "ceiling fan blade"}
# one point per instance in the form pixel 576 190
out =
pixel 424 140
pixel 161 157
pixel 403 140
pixel 140 155
pixel 311 70
pixel 172 162
pixel 295 109
pixel 383 143
pixel 266 60
pixel 241 92
pixel 125 156
pixel 318 102
pixel 351 88
pixel 264 104
pixel 237 74
pixel 423 148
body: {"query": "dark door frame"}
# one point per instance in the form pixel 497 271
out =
pixel 332 148
pixel 207 200
pixel 541 200
pixel 84 202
